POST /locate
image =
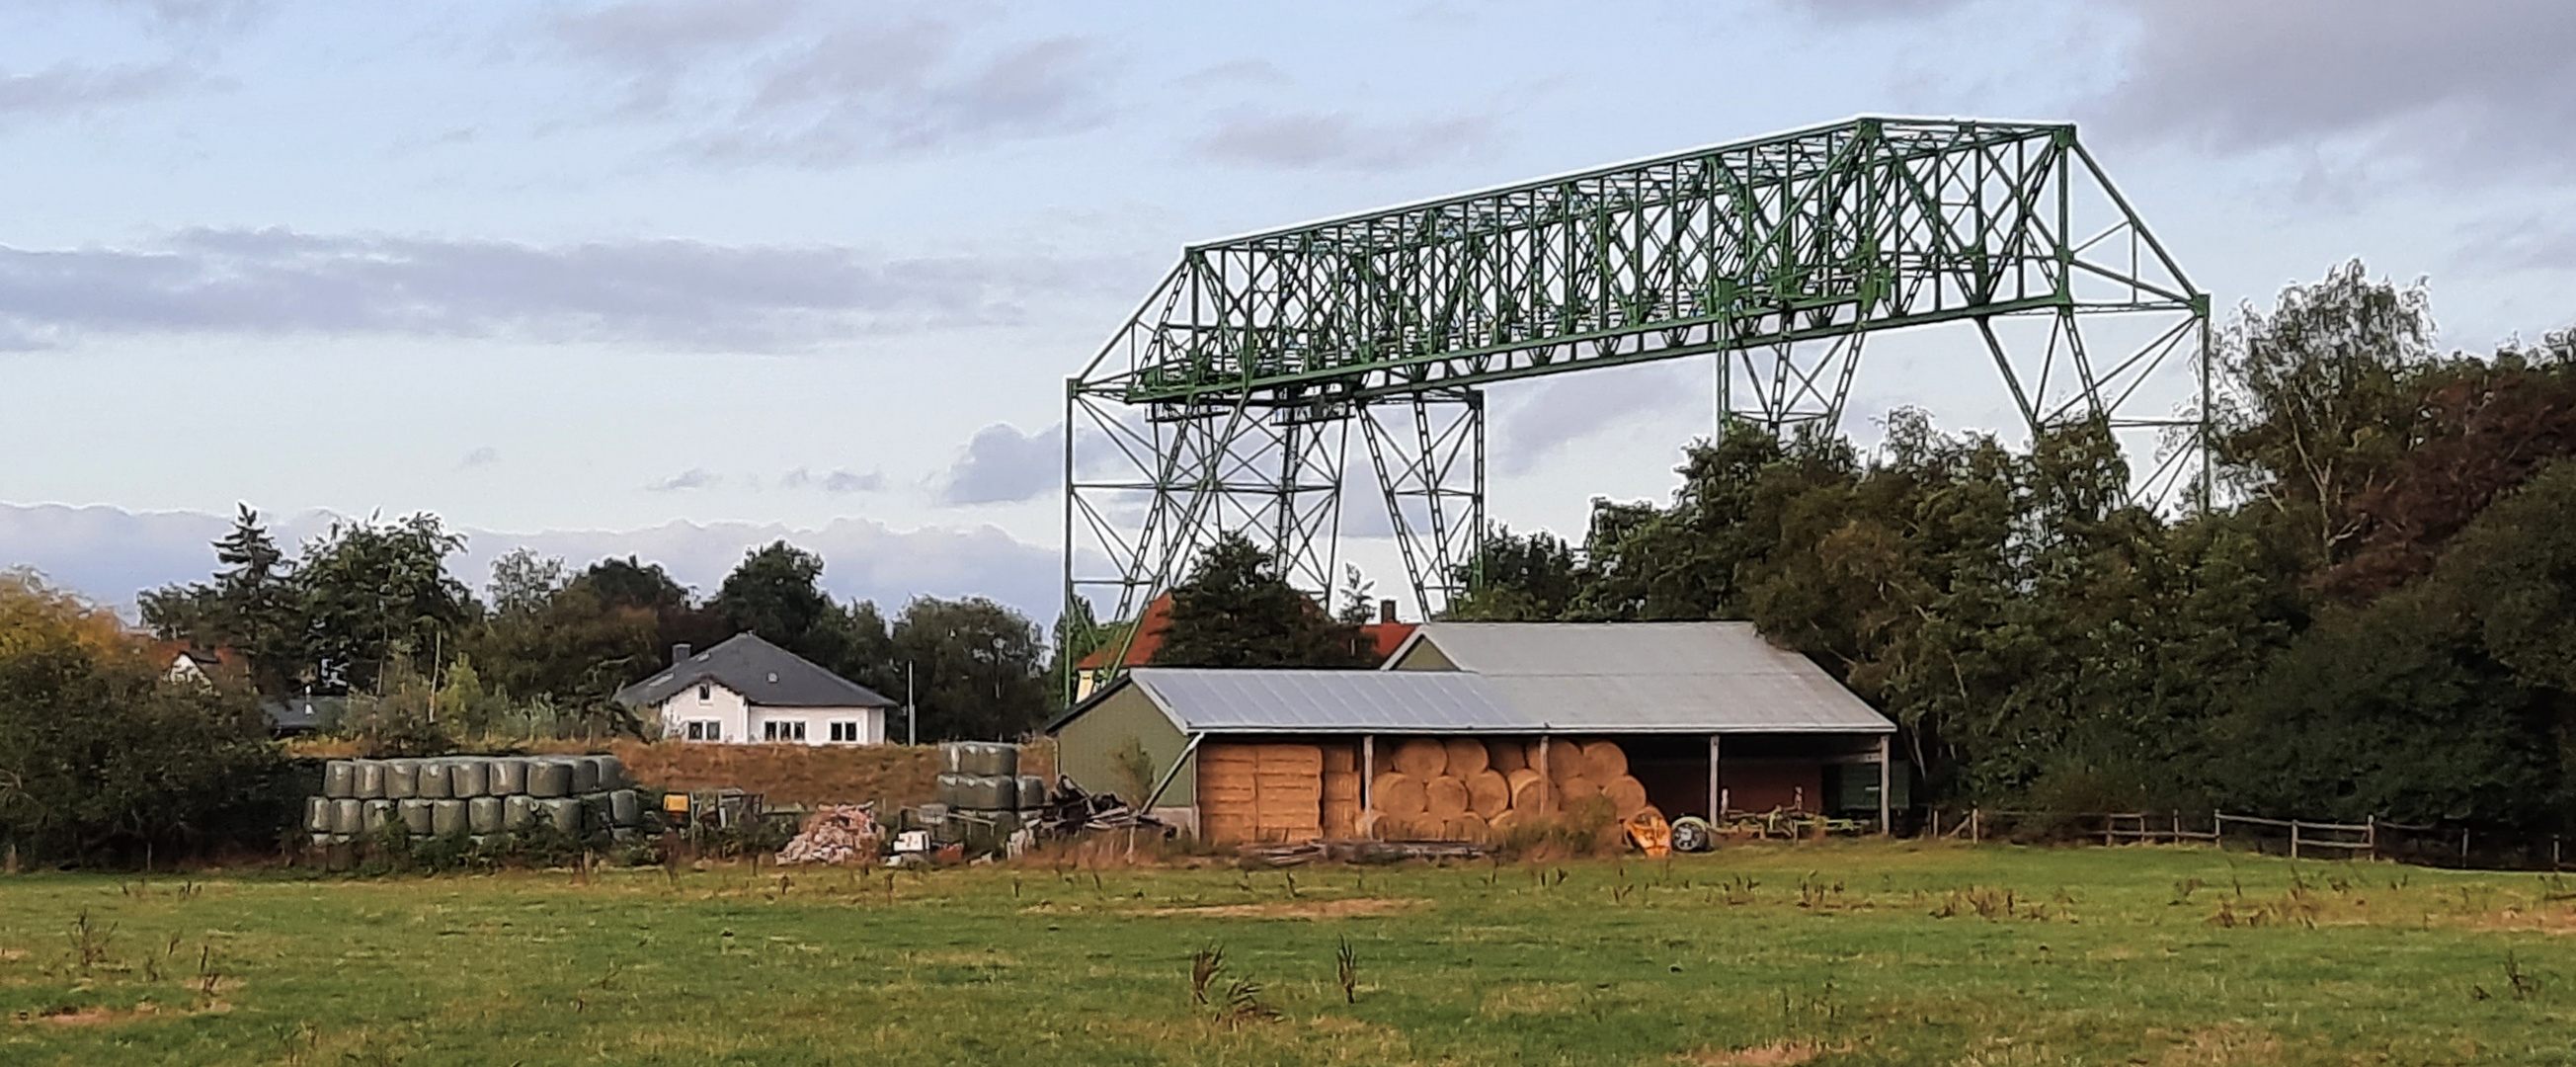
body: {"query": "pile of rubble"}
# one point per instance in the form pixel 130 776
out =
pixel 837 833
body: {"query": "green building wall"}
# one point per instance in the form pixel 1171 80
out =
pixel 1087 749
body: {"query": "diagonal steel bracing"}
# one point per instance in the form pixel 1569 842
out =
pixel 1224 403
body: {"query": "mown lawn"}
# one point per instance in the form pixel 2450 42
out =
pixel 1834 953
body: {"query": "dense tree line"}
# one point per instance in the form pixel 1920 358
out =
pixel 370 611
pixel 2377 616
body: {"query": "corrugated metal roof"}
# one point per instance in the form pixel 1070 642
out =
pixel 1681 677
pixel 1201 699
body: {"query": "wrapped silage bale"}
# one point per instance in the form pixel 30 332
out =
pixel 346 815
pixel 371 779
pixel 466 778
pixel 402 779
pixel 549 778
pixel 317 814
pixel 509 776
pixel 951 789
pixel 321 840
pixel 483 815
pixel 339 779
pixel 416 817
pixel 625 808
pixel 597 812
pixel 999 759
pixel 952 757
pixel 612 773
pixel 518 812
pixel 585 775
pixel 1033 792
pixel 378 813
pixel 562 813
pixel 434 780
pixel 446 817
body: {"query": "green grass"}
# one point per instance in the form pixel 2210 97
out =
pixel 1853 953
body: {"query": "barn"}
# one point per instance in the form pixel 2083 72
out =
pixel 1470 728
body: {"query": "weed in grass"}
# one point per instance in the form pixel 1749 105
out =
pixel 1243 1003
pixel 1346 969
pixel 2525 984
pixel 89 943
pixel 1204 966
pixel 2185 888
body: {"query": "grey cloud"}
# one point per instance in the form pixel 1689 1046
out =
pixel 825 85
pixel 1564 410
pixel 692 478
pixel 481 457
pixel 1001 465
pixel 839 481
pixel 2483 86
pixel 110 553
pixel 687 293
pixel 72 89
pixel 1248 71
pixel 1340 140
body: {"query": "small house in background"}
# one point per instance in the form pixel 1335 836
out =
pixel 748 691
pixel 188 663
pixel 1378 639
pixel 298 716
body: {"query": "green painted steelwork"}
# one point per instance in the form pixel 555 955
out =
pixel 1224 404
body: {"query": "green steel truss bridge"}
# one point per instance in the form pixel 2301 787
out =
pixel 1227 402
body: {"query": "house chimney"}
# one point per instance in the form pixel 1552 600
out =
pixel 1385 611
pixel 679 653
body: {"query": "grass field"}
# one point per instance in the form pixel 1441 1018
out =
pixel 1827 953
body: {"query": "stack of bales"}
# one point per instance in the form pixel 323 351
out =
pixel 982 780
pixel 479 796
pixel 1463 789
pixel 1275 792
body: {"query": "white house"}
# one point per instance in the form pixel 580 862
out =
pixel 748 691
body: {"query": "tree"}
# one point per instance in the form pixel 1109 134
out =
pixel 978 668
pixel 1235 611
pixel 523 583
pixel 367 591
pixel 776 592
pixel 250 608
pixel 1525 578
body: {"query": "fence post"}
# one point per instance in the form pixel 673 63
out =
pixel 2464 846
pixel 2370 835
pixel 2294 839
pixel 1976 825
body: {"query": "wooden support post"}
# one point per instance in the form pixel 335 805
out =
pixel 2294 839
pixel 1976 825
pixel 1715 812
pixel 1547 778
pixel 1886 828
pixel 1368 772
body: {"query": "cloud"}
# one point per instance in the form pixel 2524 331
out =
pixel 71 90
pixel 686 293
pixel 823 85
pixel 1001 465
pixel 2484 86
pixel 481 457
pixel 839 481
pixel 1561 411
pixel 692 478
pixel 1302 140
pixel 110 553
pixel 1247 71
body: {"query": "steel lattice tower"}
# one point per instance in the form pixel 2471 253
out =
pixel 1226 403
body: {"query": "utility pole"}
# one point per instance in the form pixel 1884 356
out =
pixel 911 711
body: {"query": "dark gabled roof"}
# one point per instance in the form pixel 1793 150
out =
pixel 765 674
pixel 290 715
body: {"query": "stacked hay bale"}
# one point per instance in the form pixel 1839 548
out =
pixel 485 798
pixel 981 781
pixel 1463 789
pixel 1277 792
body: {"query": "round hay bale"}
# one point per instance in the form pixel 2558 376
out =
pixel 612 772
pixel 483 814
pixel 518 812
pixel 1604 760
pixel 1564 759
pixel 1466 757
pixel 952 757
pixel 1467 827
pixel 1530 793
pixel 1033 792
pixel 340 779
pixel 371 779
pixel 597 812
pixel 1627 795
pixel 433 780
pixel 1399 794
pixel 348 816
pixel 1488 793
pixel 378 815
pixel 561 813
pixel 402 779
pixel 1445 798
pixel 1505 756
pixel 415 816
pixel 468 778
pixel 508 776
pixel 585 774
pixel 1422 757
pixel 317 814
pixel 1576 790
pixel 1001 792
pixel 625 808
pixel 950 789
pixel 547 778
pixel 446 817
pixel 1500 827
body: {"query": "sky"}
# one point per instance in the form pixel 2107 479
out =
pixel 678 277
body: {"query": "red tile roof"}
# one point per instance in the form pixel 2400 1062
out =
pixel 1383 637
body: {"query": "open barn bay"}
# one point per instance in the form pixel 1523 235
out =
pixel 1834 953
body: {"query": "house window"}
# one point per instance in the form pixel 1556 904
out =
pixel 845 731
pixel 705 692
pixel 783 731
pixel 702 730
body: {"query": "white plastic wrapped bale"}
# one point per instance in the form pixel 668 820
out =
pixel 434 780
pixel 371 779
pixel 378 813
pixel 402 779
pixel 483 815
pixel 348 816
pixel 611 773
pixel 317 814
pixel 585 774
pixel 518 812
pixel 340 779
pixel 446 817
pixel 509 776
pixel 597 812
pixel 467 778
pixel 562 813
pixel 416 815
pixel 549 778
pixel 626 808
pixel 1033 792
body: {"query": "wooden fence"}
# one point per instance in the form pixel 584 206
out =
pixel 2299 838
